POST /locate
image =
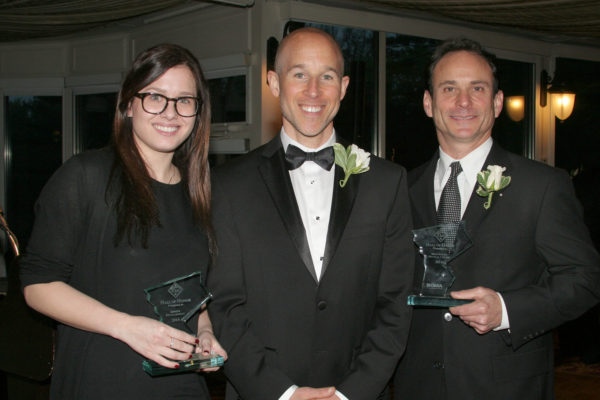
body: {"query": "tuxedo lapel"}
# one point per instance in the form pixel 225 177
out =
pixel 341 206
pixel 277 180
pixel 475 212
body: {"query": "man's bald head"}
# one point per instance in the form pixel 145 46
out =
pixel 306 31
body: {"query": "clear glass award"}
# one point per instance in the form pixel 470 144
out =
pixel 439 244
pixel 175 302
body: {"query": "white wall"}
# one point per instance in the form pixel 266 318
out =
pixel 219 36
pixel 209 32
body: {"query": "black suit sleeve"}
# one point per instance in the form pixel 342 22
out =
pixel 570 282
pixel 247 368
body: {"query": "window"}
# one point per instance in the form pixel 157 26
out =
pixel 410 136
pixel 228 99
pixel 577 139
pixel 34 151
pixel 515 78
pixel 94 115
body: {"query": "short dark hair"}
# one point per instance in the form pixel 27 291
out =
pixel 461 44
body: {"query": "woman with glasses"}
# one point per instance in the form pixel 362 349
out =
pixel 113 222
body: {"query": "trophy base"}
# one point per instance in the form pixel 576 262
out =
pixel 434 301
pixel 193 364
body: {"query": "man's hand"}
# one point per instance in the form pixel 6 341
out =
pixel 309 393
pixel 484 314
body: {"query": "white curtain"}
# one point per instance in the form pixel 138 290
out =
pixel 23 19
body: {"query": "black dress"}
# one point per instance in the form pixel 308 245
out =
pixel 72 242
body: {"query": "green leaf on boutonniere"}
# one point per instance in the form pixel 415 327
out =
pixel 491 181
pixel 352 159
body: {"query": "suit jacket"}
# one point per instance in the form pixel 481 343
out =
pixel 531 246
pixel 279 325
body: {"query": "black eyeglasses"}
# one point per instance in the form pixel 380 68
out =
pixel 154 103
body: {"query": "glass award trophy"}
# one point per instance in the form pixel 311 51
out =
pixel 439 244
pixel 175 302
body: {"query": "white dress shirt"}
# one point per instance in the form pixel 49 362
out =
pixel 313 189
pixel 471 164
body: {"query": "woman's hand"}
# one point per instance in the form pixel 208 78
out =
pixel 157 341
pixel 148 337
pixel 209 346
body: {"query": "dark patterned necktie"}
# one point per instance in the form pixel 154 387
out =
pixel 295 157
pixel 449 207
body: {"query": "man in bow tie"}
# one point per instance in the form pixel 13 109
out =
pixel 531 265
pixel 311 279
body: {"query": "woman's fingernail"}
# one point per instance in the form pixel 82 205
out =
pixel 190 357
pixel 176 366
pixel 197 341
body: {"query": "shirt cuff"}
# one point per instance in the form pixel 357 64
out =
pixel 341 396
pixel 505 324
pixel 288 393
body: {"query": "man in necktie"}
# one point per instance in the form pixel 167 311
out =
pixel 311 278
pixel 531 265
pixel 449 207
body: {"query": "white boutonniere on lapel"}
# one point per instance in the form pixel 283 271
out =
pixel 352 159
pixel 491 181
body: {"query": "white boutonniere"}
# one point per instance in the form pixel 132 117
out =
pixel 352 159
pixel 491 181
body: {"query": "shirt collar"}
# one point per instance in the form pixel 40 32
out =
pixel 286 141
pixel 471 164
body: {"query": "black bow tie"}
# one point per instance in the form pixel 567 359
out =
pixel 295 157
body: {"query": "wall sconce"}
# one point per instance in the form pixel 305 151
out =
pixel 515 107
pixel 562 104
pixel 562 99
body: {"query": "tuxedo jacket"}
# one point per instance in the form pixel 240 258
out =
pixel 531 246
pixel 279 324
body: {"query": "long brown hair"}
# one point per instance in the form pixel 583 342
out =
pixel 135 204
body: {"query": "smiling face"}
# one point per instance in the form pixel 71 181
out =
pixel 463 104
pixel 310 86
pixel 157 135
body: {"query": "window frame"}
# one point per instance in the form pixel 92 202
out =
pixel 76 146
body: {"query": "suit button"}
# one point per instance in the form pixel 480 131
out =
pixel 321 305
pixel 438 365
pixel 448 317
